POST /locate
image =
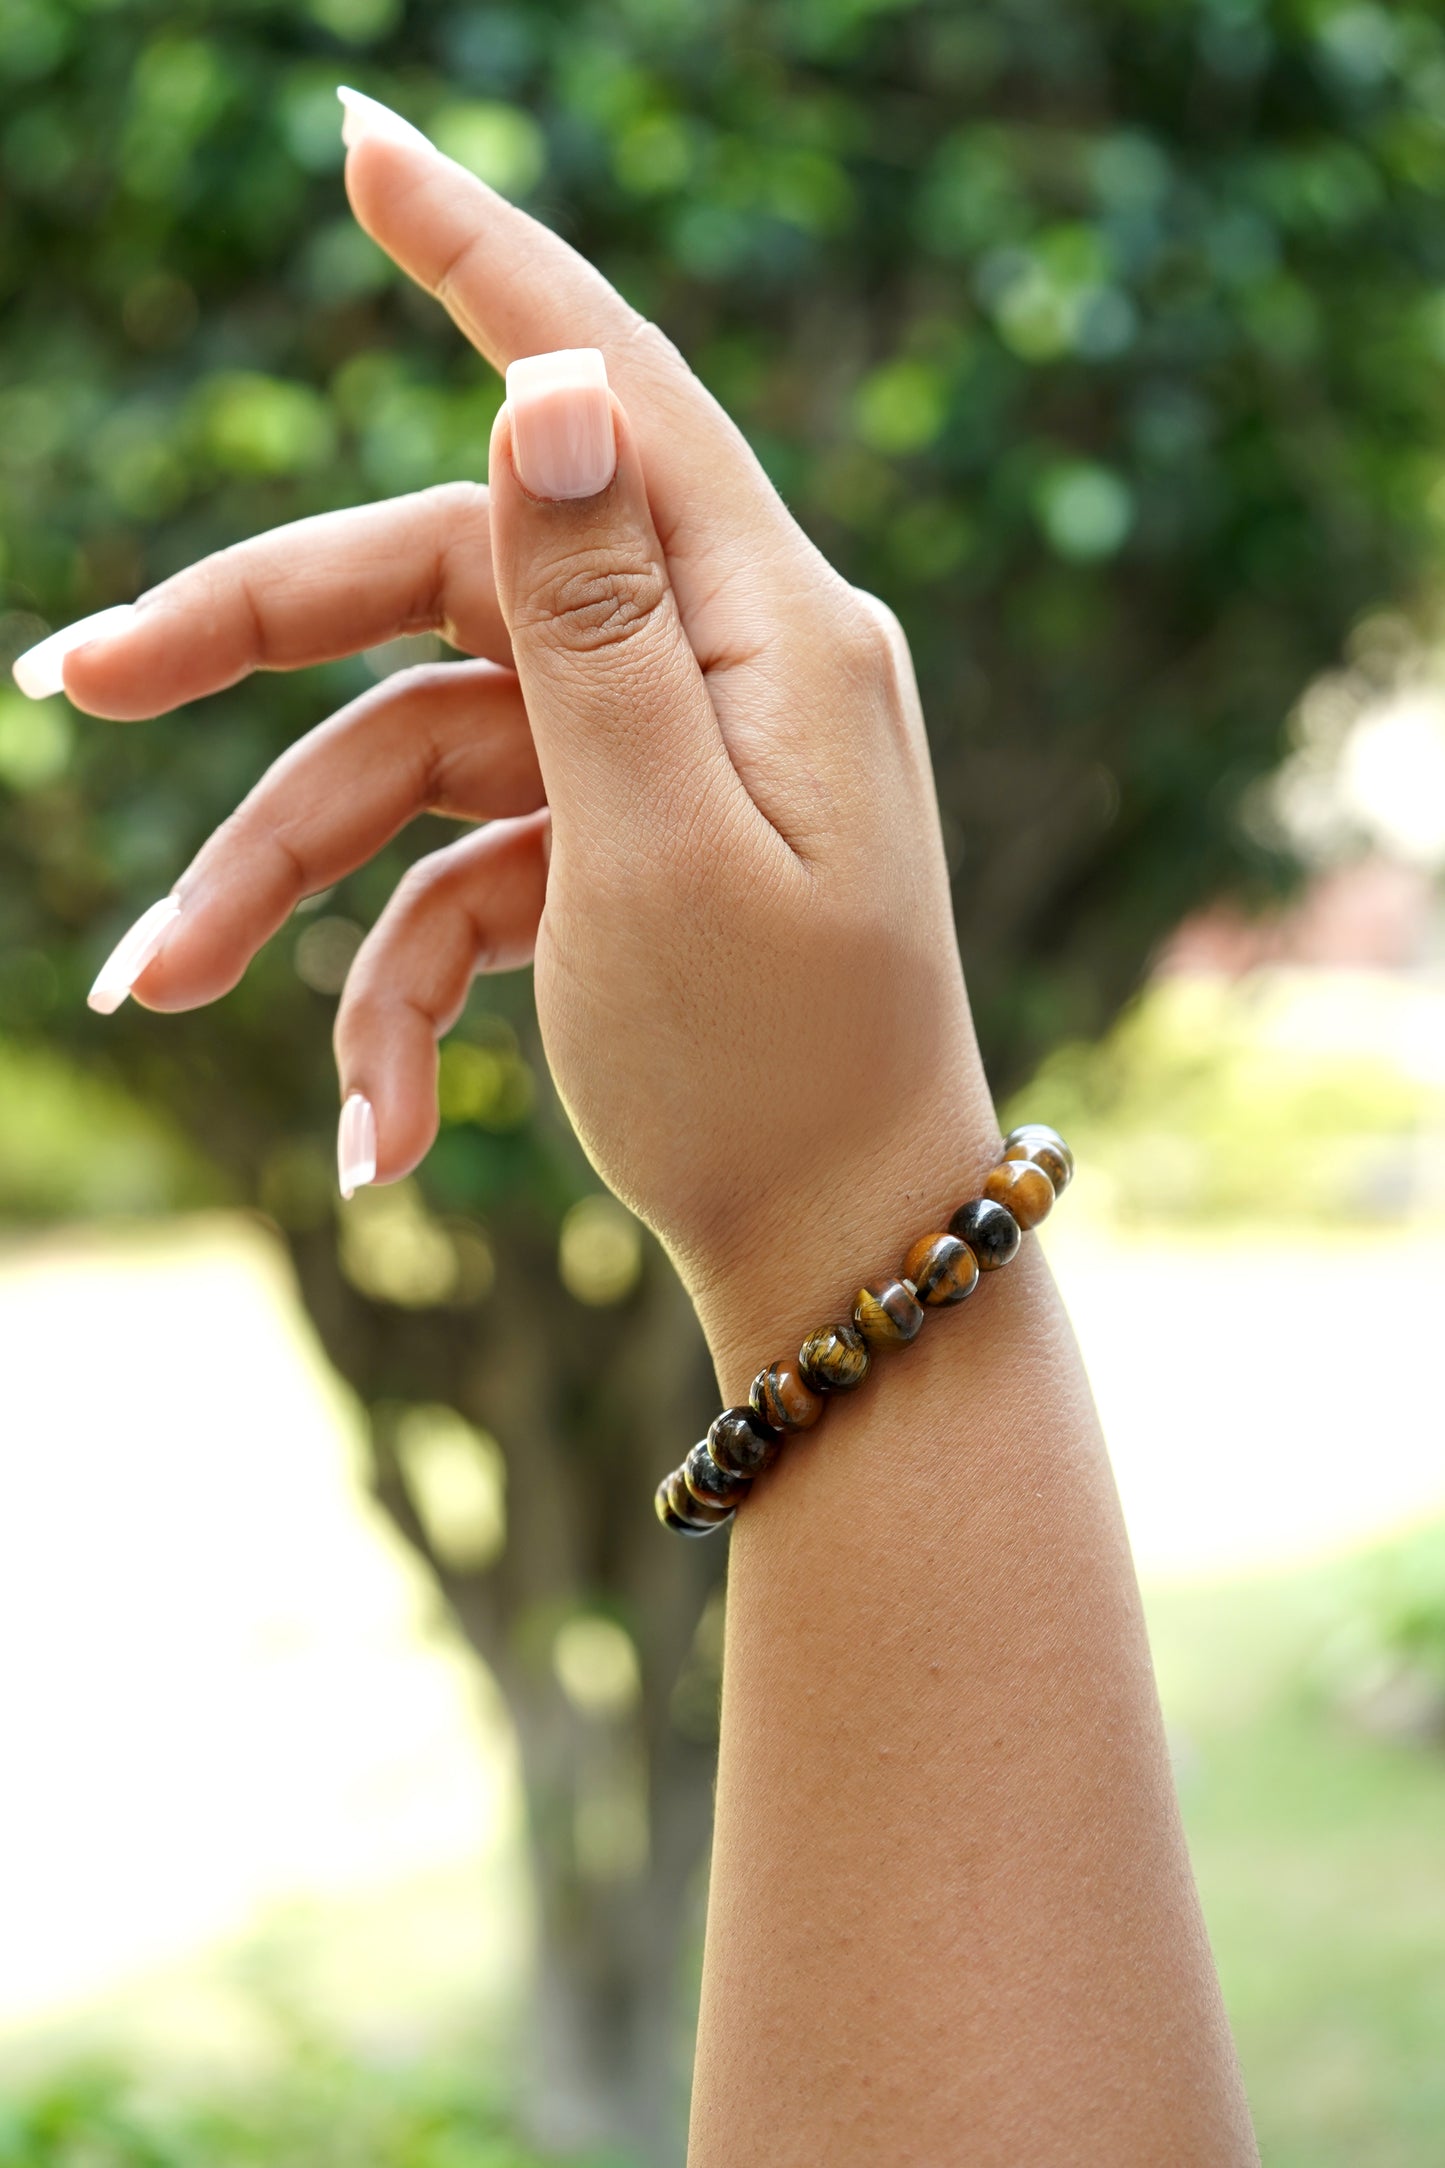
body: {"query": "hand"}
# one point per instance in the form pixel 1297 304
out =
pixel 746 971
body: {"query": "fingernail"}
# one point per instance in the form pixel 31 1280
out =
pixel 356 1145
pixel 363 116
pixel 563 442
pixel 126 961
pixel 37 671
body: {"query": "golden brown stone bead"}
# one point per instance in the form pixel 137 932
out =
pixel 887 1315
pixel 678 1510
pixel 942 1270
pixel 711 1485
pixel 782 1396
pixel 990 1232
pixel 1046 1149
pixel 835 1359
pixel 741 1442
pixel 1022 1189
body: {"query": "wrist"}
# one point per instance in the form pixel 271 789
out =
pixel 759 1298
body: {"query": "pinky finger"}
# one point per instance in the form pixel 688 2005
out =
pixel 472 907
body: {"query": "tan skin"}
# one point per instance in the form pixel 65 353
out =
pixel 951 1914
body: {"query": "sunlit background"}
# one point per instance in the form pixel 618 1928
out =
pixel 357 1720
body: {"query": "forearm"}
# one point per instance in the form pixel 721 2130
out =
pixel 951 1912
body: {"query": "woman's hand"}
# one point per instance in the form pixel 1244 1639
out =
pixel 746 971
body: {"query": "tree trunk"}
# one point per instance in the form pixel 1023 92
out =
pixel 589 1408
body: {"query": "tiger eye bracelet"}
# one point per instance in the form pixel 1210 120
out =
pixel 1034 1168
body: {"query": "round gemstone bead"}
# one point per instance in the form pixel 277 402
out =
pixel 709 1484
pixel 741 1444
pixel 1046 1149
pixel 782 1396
pixel 835 1359
pixel 887 1315
pixel 942 1270
pixel 990 1232
pixel 678 1509
pixel 1022 1189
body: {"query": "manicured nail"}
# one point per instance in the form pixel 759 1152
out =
pixel 134 950
pixel 563 442
pixel 363 116
pixel 37 671
pixel 356 1145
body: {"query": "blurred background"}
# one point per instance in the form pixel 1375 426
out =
pixel 358 1722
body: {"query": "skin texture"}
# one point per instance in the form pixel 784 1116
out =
pixel 951 1913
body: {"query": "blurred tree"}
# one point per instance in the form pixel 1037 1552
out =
pixel 1103 337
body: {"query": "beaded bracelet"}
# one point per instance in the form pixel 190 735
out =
pixel 939 1270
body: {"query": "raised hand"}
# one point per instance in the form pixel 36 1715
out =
pixel 746 971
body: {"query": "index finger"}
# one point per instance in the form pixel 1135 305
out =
pixel 515 288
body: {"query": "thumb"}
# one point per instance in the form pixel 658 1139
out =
pixel 618 705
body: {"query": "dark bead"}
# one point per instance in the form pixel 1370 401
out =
pixel 887 1315
pixel 741 1444
pixel 990 1232
pixel 663 1502
pixel 1046 1149
pixel 1021 1188
pixel 941 1269
pixel 709 1484
pixel 782 1396
pixel 679 1510
pixel 835 1359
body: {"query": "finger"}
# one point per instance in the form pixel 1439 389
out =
pixel 470 908
pixel 619 707
pixel 451 739
pixel 515 288
pixel 302 594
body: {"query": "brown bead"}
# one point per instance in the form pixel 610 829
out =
pixel 835 1359
pixel 942 1269
pixel 1044 1148
pixel 887 1315
pixel 678 1510
pixel 1022 1189
pixel 711 1485
pixel 782 1396
pixel 665 1514
pixel 741 1443
pixel 990 1232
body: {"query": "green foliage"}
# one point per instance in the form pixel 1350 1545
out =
pixel 1208 1100
pixel 320 2110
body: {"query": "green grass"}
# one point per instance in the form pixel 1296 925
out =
pixel 1320 1856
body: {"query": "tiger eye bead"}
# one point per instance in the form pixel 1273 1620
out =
pixel 1022 1189
pixel 782 1396
pixel 709 1484
pixel 990 1232
pixel 887 1315
pixel 1046 1149
pixel 835 1359
pixel 679 1510
pixel 741 1443
pixel 942 1270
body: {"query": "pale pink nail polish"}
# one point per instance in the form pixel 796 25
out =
pixel 37 671
pixel 356 1145
pixel 131 954
pixel 362 116
pixel 563 441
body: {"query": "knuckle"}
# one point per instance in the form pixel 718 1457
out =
pixel 458 501
pixel 422 887
pixel 652 344
pixel 595 601
pixel 873 640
